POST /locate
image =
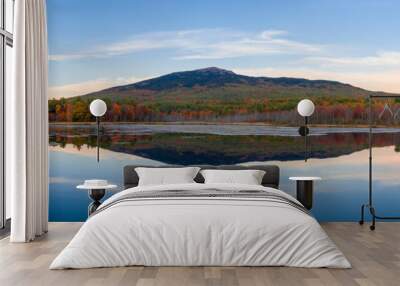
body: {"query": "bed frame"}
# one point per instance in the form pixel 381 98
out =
pixel 270 179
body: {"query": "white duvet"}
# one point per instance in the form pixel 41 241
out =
pixel 211 231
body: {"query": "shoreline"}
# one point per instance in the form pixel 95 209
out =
pixel 224 124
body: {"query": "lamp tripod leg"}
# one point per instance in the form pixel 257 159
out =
pixel 361 221
pixel 98 136
pixel 372 210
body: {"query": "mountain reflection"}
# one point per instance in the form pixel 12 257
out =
pixel 175 147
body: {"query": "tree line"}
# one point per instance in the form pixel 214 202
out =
pixel 329 110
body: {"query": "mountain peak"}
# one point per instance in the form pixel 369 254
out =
pixel 210 76
pixel 214 70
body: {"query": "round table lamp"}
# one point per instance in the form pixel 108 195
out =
pixel 98 108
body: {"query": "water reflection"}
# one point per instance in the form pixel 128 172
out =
pixel 340 159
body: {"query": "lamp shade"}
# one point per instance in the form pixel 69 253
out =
pixel 305 107
pixel 98 107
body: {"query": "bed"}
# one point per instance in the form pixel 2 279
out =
pixel 198 224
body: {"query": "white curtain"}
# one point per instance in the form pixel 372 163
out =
pixel 27 124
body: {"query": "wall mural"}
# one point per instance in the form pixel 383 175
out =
pixel 195 83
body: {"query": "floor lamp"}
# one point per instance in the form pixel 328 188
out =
pixel 370 205
pixel 305 108
pixel 98 108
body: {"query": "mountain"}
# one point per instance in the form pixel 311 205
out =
pixel 214 94
pixel 213 77
pixel 216 77
pixel 224 86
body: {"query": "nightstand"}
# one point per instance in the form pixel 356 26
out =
pixel 96 192
pixel 304 190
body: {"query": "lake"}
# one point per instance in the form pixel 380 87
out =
pixel 338 155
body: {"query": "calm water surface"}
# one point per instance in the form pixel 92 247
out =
pixel 339 156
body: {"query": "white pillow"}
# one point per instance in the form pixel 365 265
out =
pixel 248 177
pixel 166 176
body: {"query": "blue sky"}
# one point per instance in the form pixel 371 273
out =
pixel 94 44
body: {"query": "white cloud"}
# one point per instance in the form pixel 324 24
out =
pixel 232 45
pixel 335 168
pixel 64 180
pixel 379 72
pixel 105 154
pixel 271 33
pixel 381 59
pixel 199 44
pixel 143 42
pixel 371 80
pixel 80 88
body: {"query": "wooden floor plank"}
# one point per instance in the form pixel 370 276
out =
pixel 375 257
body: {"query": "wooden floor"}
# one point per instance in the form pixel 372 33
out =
pixel 375 257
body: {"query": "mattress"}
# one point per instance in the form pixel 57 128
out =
pixel 201 225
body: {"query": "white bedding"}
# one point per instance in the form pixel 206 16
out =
pixel 199 231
